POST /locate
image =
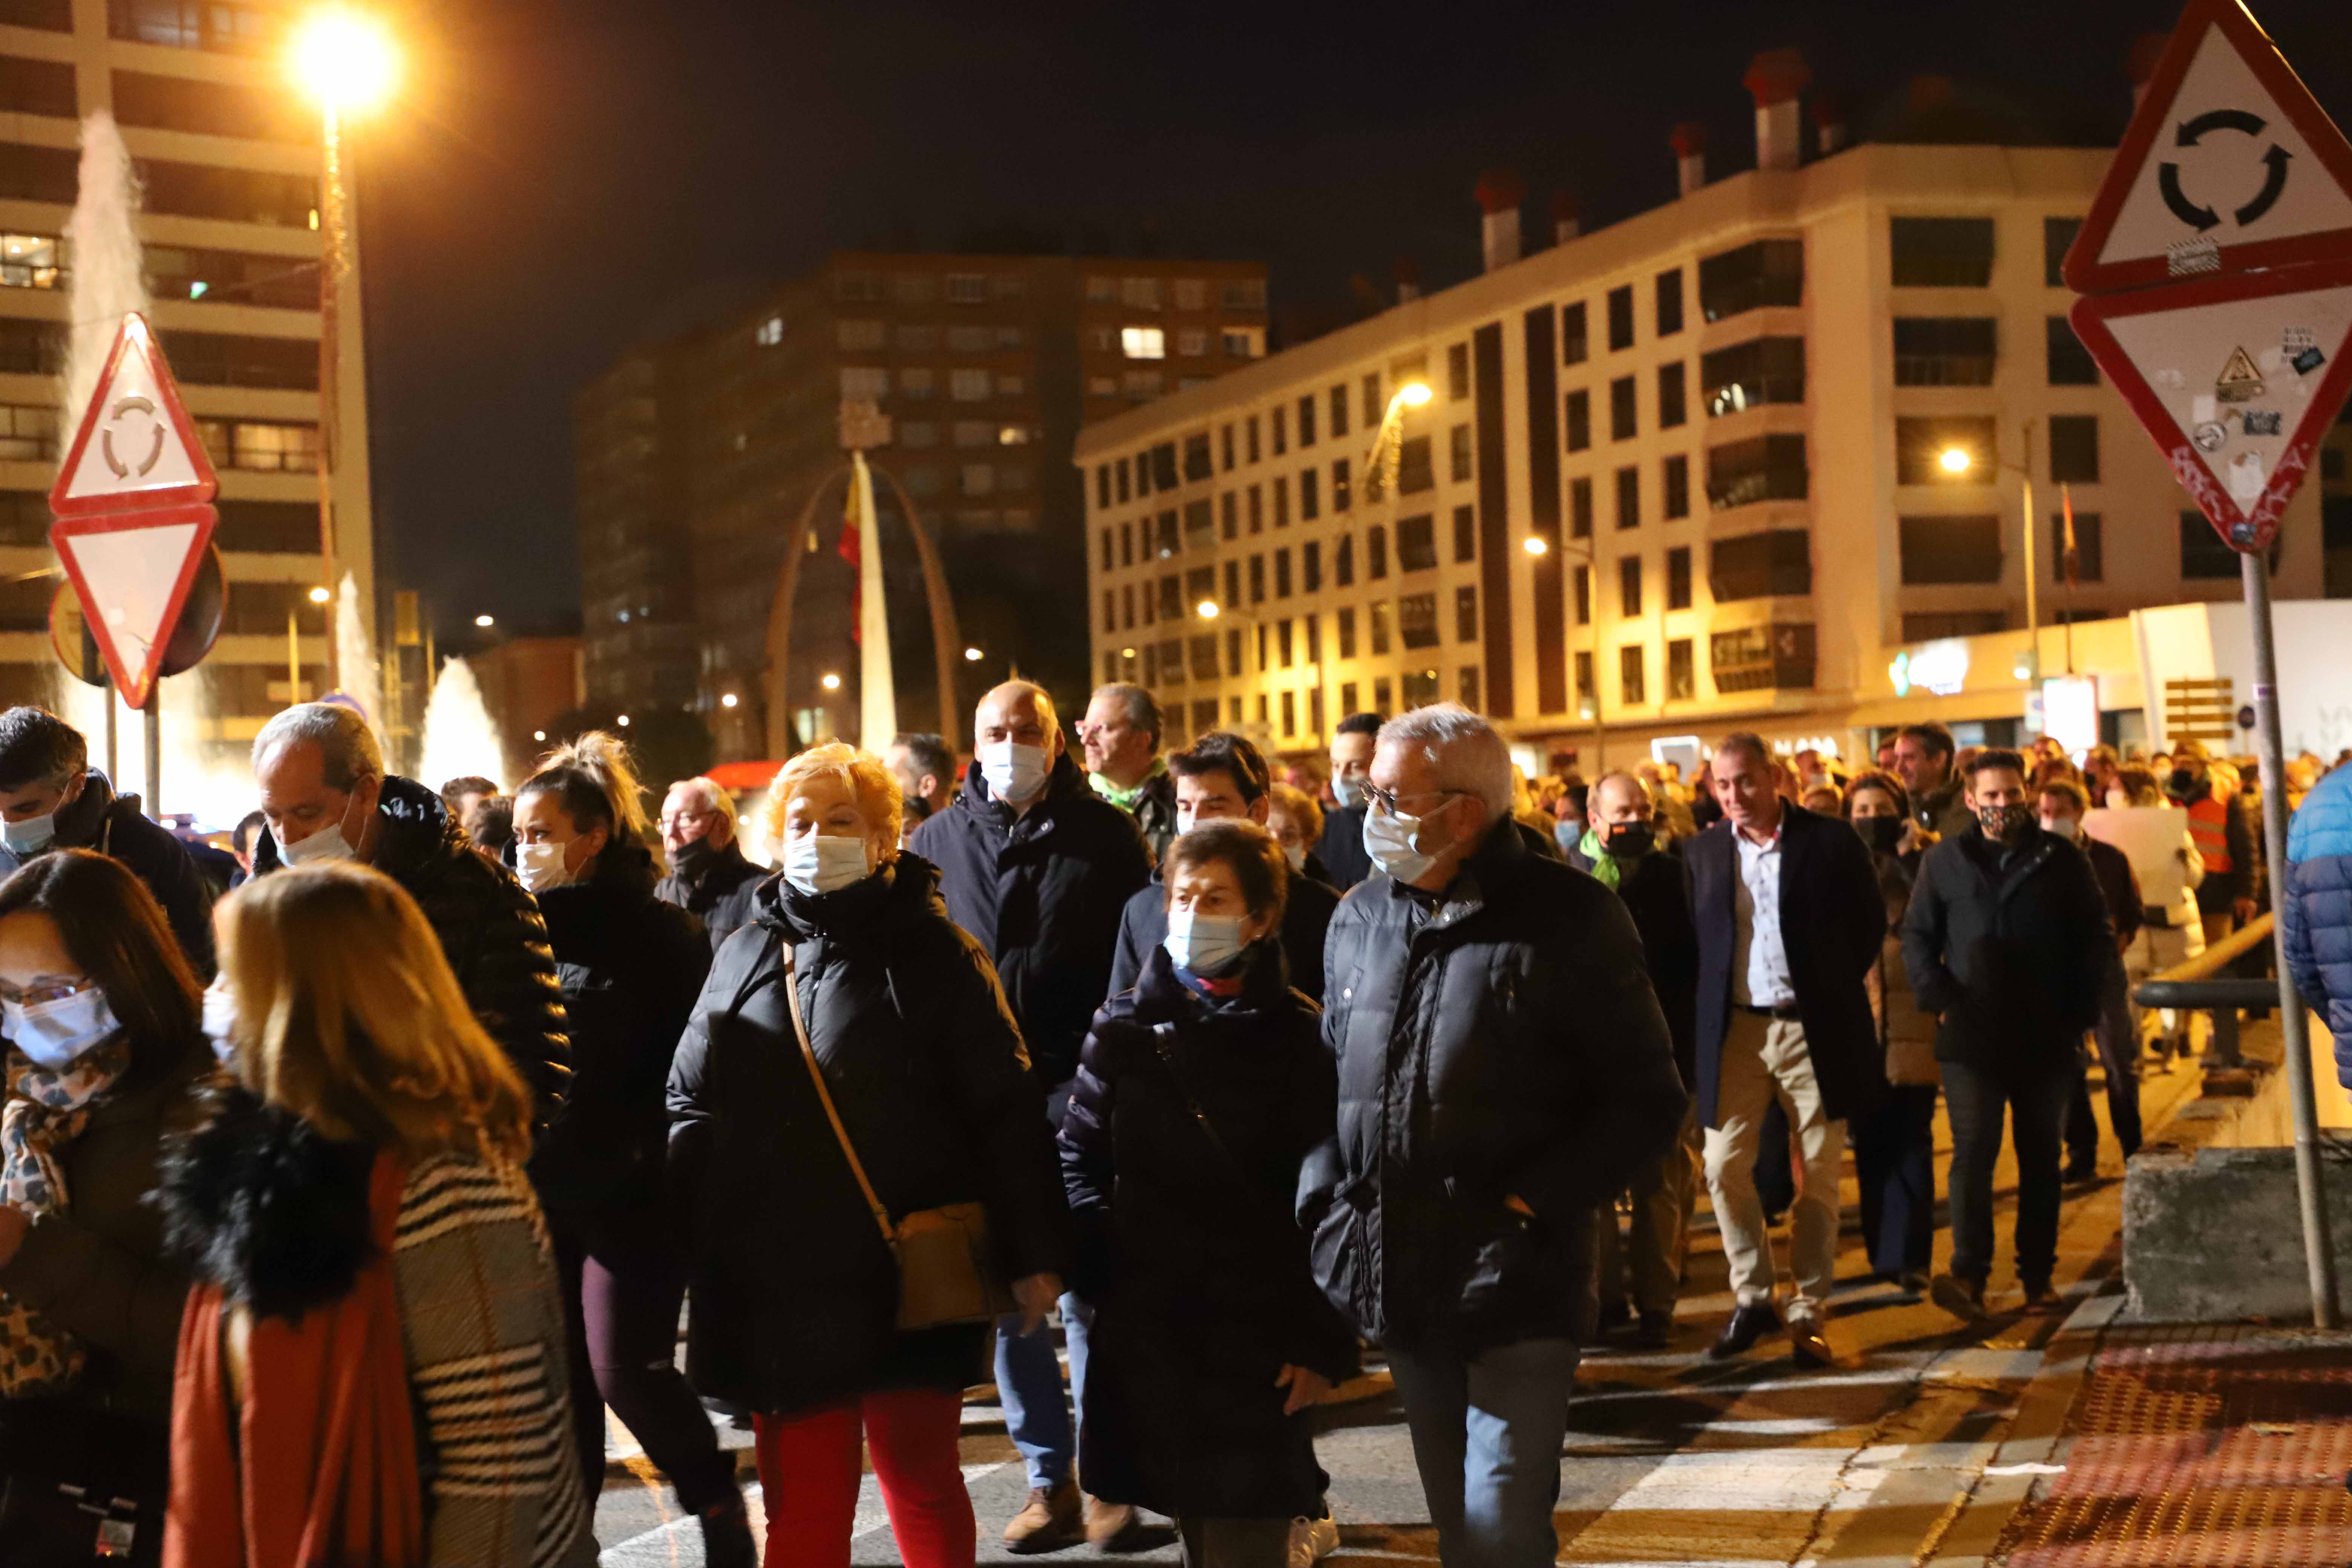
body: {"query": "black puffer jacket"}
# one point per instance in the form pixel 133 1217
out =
pixel 489 929
pixel 631 967
pixel 721 898
pixel 1499 1041
pixel 2008 949
pixel 1197 1271
pixel 100 819
pixel 1042 894
pixel 1305 915
pixel 795 1295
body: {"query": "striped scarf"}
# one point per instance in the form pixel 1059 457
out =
pixel 46 1108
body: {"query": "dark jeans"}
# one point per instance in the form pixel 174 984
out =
pixel 621 1283
pixel 2118 1043
pixel 1895 1160
pixel 2035 1100
pixel 1233 1543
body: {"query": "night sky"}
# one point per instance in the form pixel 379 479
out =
pixel 566 177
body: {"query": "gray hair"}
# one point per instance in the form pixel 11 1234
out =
pixel 344 740
pixel 1467 752
pixel 1142 708
pixel 708 790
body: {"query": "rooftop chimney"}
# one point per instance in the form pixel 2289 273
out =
pixel 1408 279
pixel 2145 50
pixel 1565 214
pixel 1689 143
pixel 1776 77
pixel 1829 120
pixel 1499 193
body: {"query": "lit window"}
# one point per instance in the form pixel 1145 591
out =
pixel 1013 436
pixel 1143 342
pixel 770 333
pixel 31 261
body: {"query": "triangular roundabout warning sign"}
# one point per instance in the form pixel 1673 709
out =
pixel 2237 378
pixel 133 571
pixel 136 446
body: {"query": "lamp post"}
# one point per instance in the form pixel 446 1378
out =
pixel 1387 450
pixel 294 643
pixel 1959 460
pixel 1535 544
pixel 346 62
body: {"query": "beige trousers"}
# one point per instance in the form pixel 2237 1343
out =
pixel 1764 1059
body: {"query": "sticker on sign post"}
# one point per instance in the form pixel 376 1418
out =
pixel 2239 426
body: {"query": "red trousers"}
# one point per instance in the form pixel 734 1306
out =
pixel 810 1466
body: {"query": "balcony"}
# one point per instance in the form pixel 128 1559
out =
pixel 1761 658
pixel 1764 467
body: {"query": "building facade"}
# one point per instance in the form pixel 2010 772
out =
pixel 228 160
pixel 1711 467
pixel 699 458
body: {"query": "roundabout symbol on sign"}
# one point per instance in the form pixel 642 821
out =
pixel 2192 132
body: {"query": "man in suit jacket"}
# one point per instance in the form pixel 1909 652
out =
pixel 1790 923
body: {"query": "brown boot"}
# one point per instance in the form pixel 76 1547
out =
pixel 1108 1524
pixel 1049 1524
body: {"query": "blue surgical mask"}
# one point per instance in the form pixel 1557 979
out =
pixel 821 863
pixel 1205 944
pixel 32 835
pixel 56 1032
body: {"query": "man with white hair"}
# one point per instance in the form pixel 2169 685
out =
pixel 1504 1069
pixel 327 798
pixel 708 876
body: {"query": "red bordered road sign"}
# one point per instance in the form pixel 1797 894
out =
pixel 136 446
pixel 2236 378
pixel 133 571
pixel 2230 165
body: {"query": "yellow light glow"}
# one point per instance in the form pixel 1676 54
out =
pixel 729 700
pixel 319 595
pixel 831 683
pixel 345 59
pixel 539 735
pixel 1414 394
pixel 625 720
pixel 1207 609
pixel 972 656
pixel 1954 460
pixel 1535 546
pixel 485 620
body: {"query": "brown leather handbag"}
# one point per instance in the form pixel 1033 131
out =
pixel 946 1271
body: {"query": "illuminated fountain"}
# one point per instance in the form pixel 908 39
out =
pixel 354 659
pixel 459 739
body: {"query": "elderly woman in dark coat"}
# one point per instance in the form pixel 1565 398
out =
pixel 795 1291
pixel 1198 1095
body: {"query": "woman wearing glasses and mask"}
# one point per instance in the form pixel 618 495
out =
pixel 1894 1143
pixel 852 1053
pixel 630 966
pixel 102 1018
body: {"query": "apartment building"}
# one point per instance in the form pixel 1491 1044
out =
pixel 1710 467
pixel 698 459
pixel 229 158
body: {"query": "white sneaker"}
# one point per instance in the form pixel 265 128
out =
pixel 1313 1540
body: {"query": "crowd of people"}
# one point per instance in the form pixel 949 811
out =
pixel 336 1212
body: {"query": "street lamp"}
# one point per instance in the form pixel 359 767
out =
pixel 830 682
pixel 1534 545
pixel 972 656
pixel 1957 460
pixel 485 621
pixel 346 61
pixel 293 647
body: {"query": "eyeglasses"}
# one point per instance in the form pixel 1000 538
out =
pixel 45 991
pixel 1388 800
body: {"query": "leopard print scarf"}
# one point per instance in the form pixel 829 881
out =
pixel 46 1109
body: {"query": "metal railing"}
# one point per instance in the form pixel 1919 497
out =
pixel 2198 986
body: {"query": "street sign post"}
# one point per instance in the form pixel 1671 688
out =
pixel 2216 265
pixel 135 520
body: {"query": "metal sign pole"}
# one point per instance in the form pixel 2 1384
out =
pixel 2296 1022
pixel 106 698
pixel 154 712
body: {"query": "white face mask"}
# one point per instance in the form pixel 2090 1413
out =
pixel 1393 841
pixel 55 1033
pixel 220 1019
pixel 821 863
pixel 1347 792
pixel 31 836
pixel 540 866
pixel 1015 773
pixel 1297 854
pixel 327 843
pixel 1205 944
pixel 2063 826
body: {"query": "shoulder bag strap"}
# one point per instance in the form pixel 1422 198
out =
pixel 825 1098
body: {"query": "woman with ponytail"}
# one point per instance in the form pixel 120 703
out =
pixel 630 966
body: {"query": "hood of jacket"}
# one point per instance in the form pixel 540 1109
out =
pixel 412 825
pixel 261 1204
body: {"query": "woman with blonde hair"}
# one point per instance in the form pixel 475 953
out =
pixel 375 1299
pixel 630 966
pixel 851 1078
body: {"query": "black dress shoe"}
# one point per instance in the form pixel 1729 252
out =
pixel 2078 1172
pixel 1750 1323
pixel 1808 1345
pixel 1964 1298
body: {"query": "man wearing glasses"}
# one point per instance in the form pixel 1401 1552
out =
pixel 1504 1069
pixel 708 873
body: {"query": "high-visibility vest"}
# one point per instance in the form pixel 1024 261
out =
pixel 2209 825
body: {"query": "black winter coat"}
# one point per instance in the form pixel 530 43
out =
pixel 721 898
pixel 1305 915
pixel 2119 885
pixel 1042 894
pixel 631 967
pixel 1189 1253
pixel 100 819
pixel 1832 921
pixel 1499 1041
pixel 2007 949
pixel 1155 813
pixel 1656 893
pixel 1342 847
pixel 795 1294
pixel 490 930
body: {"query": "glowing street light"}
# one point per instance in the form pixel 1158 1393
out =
pixel 1207 610
pixel 830 682
pixel 345 59
pixel 539 735
pixel 625 720
pixel 1954 460
pixel 485 621
pixel 1534 545
pixel 729 700
pixel 319 595
pixel 972 656
pixel 1414 394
